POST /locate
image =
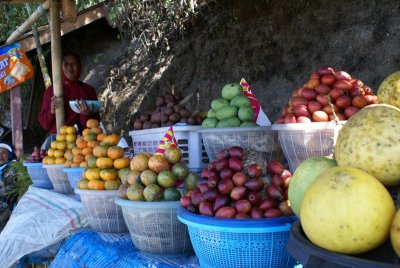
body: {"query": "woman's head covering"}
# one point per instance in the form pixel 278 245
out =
pixel 10 148
pixel 78 59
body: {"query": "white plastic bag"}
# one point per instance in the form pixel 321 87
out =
pixel 40 219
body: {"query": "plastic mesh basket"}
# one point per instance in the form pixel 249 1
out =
pixel 154 227
pixel 188 138
pixel 262 142
pixel 38 175
pixel 59 179
pixel 74 175
pixel 103 214
pixel 239 243
pixel 300 141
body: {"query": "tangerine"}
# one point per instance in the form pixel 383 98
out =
pixel 97 130
pixel 101 136
pixel 61 145
pixel 60 160
pixel 83 184
pixel 53 144
pixel 104 162
pixel 86 131
pixel 100 150
pixel 71 130
pixel 108 174
pixel 92 144
pixel 71 137
pixel 121 163
pixel 80 142
pixel 111 139
pixel 63 129
pixel 58 153
pixel 92 174
pixel 60 137
pixel 92 123
pixel 115 152
pixel 112 185
pixel 96 185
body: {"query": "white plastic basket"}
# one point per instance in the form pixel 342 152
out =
pixel 155 228
pixel 38 175
pixel 103 214
pixel 300 141
pixel 188 138
pixel 59 179
pixel 261 142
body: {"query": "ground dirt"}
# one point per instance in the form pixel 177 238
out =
pixel 274 45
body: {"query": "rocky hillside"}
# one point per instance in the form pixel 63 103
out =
pixel 275 45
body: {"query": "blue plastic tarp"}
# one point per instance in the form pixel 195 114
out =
pixel 92 249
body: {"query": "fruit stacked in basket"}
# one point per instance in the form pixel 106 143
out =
pixel 228 189
pixel 327 93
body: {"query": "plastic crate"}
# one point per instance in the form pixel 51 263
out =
pixel 188 138
pixel 74 175
pixel 154 227
pixel 59 179
pixel 237 243
pixel 312 256
pixel 103 214
pixel 38 175
pixel 261 142
pixel 300 141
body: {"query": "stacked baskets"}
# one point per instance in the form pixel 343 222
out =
pixel 59 179
pixel 74 175
pixel 103 214
pixel 38 175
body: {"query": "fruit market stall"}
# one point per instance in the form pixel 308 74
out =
pixel 237 192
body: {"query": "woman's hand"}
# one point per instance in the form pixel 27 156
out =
pixel 55 103
pixel 83 108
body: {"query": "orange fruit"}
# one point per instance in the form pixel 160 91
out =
pixel 86 131
pixel 90 137
pixel 60 137
pixel 70 137
pixel 60 160
pixel 96 185
pixel 121 163
pixel 111 139
pixel 63 129
pixel 79 158
pixel 74 165
pixel 104 162
pixel 108 174
pixel 97 130
pixel 80 142
pixel 67 163
pixel 68 155
pixel 101 136
pixel 70 144
pixel 112 185
pixel 87 150
pixel 83 164
pixel 83 184
pixel 115 152
pixel 50 152
pixel 87 157
pixel 59 153
pixel 92 161
pixel 100 150
pixel 61 145
pixel 92 144
pixel 53 144
pixel 75 150
pixel 92 123
pixel 50 161
pixel 44 160
pixel 92 174
pixel 71 130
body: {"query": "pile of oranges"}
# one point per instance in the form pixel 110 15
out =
pixel 64 142
pixel 94 150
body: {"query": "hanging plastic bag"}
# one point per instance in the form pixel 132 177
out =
pixel 40 219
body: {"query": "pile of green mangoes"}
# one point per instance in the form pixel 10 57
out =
pixel 232 110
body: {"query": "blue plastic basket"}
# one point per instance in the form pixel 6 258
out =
pixel 239 243
pixel 74 175
pixel 38 175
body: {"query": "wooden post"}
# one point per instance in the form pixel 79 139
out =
pixel 16 119
pixel 55 28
